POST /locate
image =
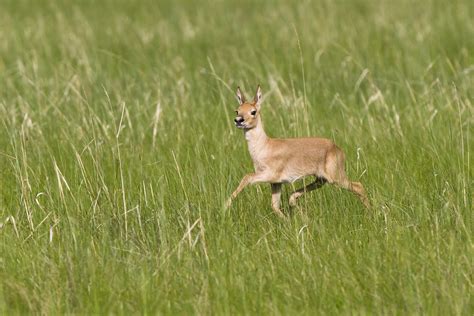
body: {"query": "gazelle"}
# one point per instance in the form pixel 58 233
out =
pixel 285 160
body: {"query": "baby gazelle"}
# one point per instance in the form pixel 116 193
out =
pixel 285 160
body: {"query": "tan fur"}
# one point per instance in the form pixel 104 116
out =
pixel 278 160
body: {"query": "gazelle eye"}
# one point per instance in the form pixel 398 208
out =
pixel 253 112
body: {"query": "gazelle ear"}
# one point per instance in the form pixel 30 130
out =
pixel 240 96
pixel 258 96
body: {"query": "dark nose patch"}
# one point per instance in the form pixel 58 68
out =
pixel 239 119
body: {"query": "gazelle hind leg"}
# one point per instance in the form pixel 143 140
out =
pixel 355 187
pixel 319 182
pixel 336 174
pixel 359 189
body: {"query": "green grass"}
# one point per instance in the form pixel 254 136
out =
pixel 117 152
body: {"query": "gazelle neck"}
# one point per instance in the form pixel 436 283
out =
pixel 256 139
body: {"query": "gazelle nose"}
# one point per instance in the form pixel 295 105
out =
pixel 239 119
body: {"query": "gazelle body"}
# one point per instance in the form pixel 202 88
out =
pixel 278 161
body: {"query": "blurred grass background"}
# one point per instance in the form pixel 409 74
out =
pixel 117 150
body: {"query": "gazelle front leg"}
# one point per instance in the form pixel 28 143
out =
pixel 276 194
pixel 246 180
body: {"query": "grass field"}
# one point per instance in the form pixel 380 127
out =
pixel 118 150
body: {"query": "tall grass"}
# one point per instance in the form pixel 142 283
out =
pixel 117 151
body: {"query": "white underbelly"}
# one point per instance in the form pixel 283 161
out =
pixel 291 178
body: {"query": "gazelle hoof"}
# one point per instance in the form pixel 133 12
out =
pixel 292 200
pixel 280 214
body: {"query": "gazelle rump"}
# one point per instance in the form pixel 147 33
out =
pixel 277 161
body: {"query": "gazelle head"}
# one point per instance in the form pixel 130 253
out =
pixel 248 112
